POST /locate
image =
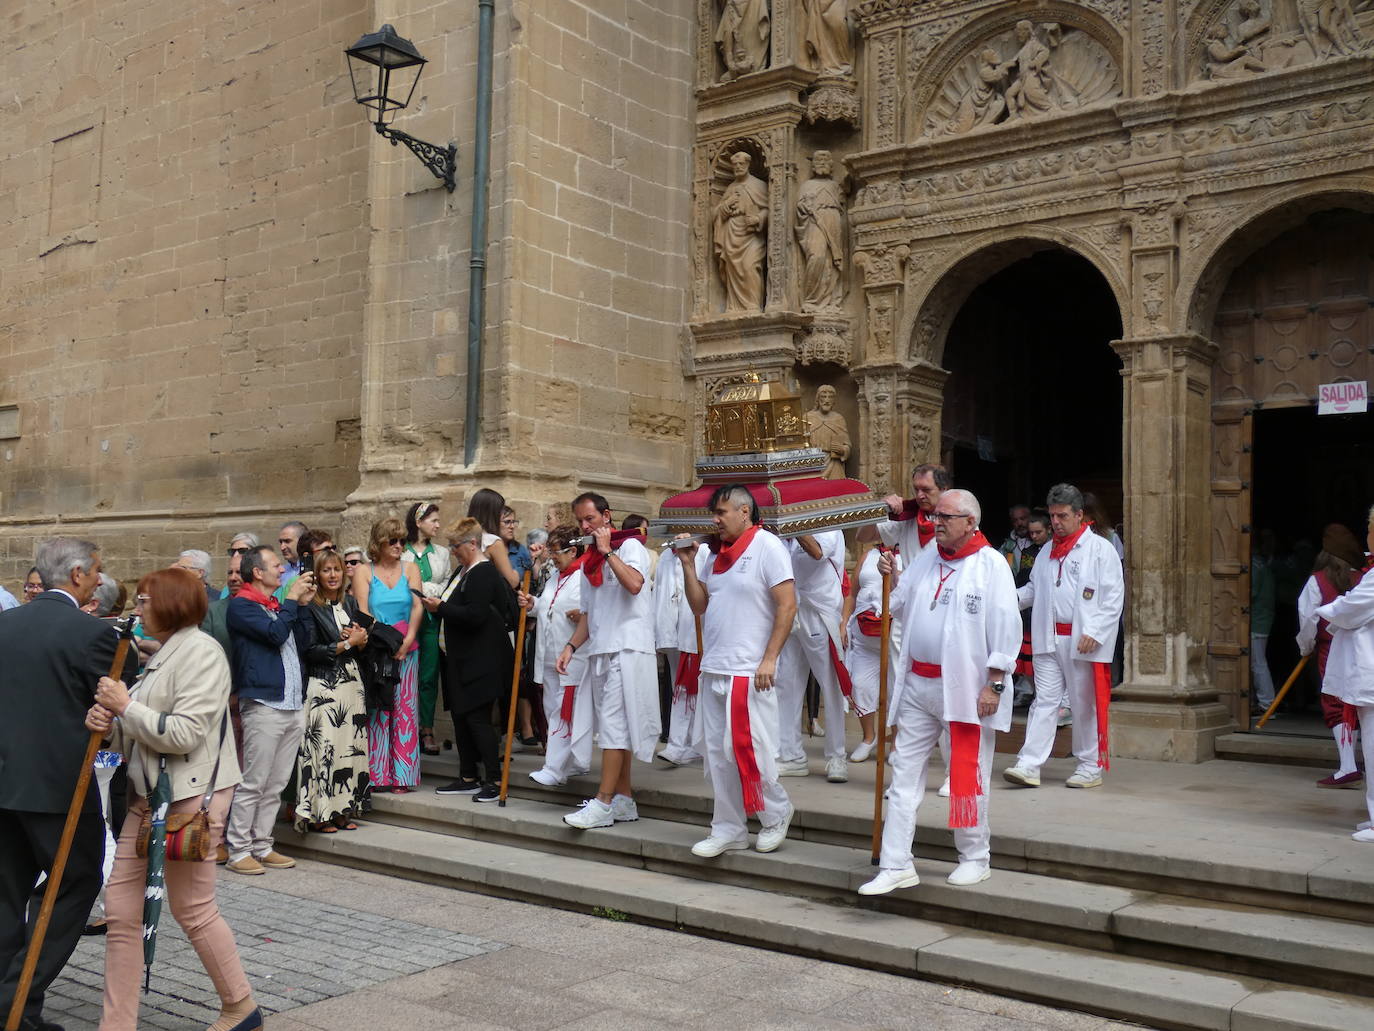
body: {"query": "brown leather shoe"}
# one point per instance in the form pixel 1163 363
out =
pixel 276 861
pixel 221 855
pixel 246 865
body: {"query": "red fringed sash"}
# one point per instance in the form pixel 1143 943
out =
pixel 965 783
pixel 842 675
pixel 565 711
pixel 1102 690
pixel 742 739
pixel 687 682
pixel 593 562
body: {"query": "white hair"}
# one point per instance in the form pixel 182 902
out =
pixel 56 557
pixel 199 559
pixel 536 536
pixel 106 594
pixel 967 502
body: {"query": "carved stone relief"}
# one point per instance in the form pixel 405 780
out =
pixel 1024 72
pixel 827 340
pixel 820 229
pixel 742 35
pixel 1242 38
pixel 739 236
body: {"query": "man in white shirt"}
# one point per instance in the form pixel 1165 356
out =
pixel 962 633
pixel 742 588
pixel 675 635
pixel 1075 593
pixel 814 646
pixel 909 526
pixel 617 630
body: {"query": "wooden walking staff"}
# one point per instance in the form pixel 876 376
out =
pixel 64 848
pixel 1292 679
pixel 879 770
pixel 514 690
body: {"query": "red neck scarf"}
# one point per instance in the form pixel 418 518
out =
pixel 253 594
pixel 593 562
pixel 1063 545
pixel 970 546
pixel 726 554
pixel 925 526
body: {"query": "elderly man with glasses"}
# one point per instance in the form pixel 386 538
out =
pixel 961 630
pixel 193 560
pixel 287 538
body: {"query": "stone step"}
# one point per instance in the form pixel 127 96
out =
pixel 1153 992
pixel 1282 946
pixel 1120 835
pixel 1289 749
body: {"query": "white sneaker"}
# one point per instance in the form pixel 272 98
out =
pixel 1065 718
pixel 1365 835
pixel 944 789
pixel 711 847
pixel 1364 825
pixel 891 880
pixel 836 770
pixel 594 813
pixel 862 751
pixel 793 768
pixel 1084 780
pixel 546 777
pixel 515 746
pixel 1026 778
pixel 969 873
pixel 581 771
pixel 623 809
pixel 771 837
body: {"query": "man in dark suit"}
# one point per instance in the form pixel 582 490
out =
pixel 53 655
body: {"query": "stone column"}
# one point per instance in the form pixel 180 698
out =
pixel 1167 707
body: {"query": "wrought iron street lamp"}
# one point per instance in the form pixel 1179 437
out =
pixel 385 69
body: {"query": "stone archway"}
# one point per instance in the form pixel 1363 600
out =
pixel 1287 299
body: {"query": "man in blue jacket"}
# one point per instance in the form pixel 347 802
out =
pixel 269 639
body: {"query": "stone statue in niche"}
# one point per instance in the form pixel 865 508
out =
pixel 829 432
pixel 739 237
pixel 828 47
pixel 821 234
pixel 742 36
pixel 1052 69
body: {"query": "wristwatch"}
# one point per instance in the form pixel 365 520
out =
pixel 997 686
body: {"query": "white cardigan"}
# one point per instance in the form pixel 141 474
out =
pixel 1350 666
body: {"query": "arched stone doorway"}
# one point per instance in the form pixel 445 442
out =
pixel 1288 302
pixel 1034 391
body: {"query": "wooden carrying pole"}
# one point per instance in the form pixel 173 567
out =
pixel 880 755
pixel 59 866
pixel 514 690
pixel 1292 679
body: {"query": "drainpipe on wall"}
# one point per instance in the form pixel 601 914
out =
pixel 477 263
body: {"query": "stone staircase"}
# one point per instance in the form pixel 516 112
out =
pixel 1141 901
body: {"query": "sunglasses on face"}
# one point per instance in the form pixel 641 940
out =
pixel 353 561
pixel 393 541
pixel 238 551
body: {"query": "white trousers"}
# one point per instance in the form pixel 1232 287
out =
pixel 624 687
pixel 684 716
pixel 808 648
pixel 920 724
pixel 1262 680
pixel 1060 676
pixel 862 659
pixel 565 753
pixel 728 819
pixel 1367 746
pixel 271 738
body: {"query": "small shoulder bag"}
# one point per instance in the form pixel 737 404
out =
pixel 188 834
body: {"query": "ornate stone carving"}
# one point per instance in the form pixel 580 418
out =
pixel 820 232
pixel 1152 32
pixel 1248 37
pixel 829 432
pixel 1029 71
pixel 833 99
pixel 739 227
pixel 882 264
pixel 884 89
pixel 826 341
pixel 827 46
pixel 742 36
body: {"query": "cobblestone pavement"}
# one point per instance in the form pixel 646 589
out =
pixel 330 948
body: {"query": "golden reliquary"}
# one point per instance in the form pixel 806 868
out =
pixel 755 416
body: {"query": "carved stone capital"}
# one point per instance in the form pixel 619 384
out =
pixel 833 99
pixel 828 340
pixel 883 264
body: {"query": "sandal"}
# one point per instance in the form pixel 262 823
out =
pixel 345 823
pixel 324 828
pixel 427 745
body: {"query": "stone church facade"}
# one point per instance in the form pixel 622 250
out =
pixel 1205 170
pixel 1105 241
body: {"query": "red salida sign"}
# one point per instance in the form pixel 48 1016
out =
pixel 1343 398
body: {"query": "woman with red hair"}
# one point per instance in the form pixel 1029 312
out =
pixel 177 712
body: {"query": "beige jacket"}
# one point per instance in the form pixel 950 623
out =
pixel 188 680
